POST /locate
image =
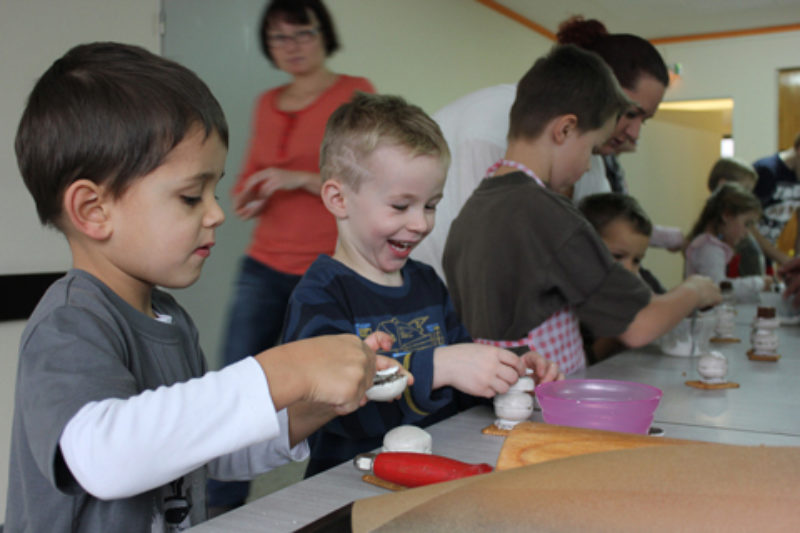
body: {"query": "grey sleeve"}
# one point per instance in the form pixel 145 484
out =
pixel 69 359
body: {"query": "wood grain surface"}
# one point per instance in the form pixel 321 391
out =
pixel 531 442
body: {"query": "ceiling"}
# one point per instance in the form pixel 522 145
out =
pixel 662 18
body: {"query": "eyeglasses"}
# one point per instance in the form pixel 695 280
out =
pixel 279 40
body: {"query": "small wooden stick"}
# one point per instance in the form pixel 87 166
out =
pixel 375 480
pixel 760 357
pixel 494 430
pixel 697 384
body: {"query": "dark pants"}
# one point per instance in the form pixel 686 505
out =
pixel 255 321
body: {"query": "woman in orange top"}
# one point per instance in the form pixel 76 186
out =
pixel 279 183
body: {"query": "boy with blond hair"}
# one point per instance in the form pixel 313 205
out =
pixel 383 166
pixel 116 421
pixel 521 262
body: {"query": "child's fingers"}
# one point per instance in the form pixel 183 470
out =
pixel 507 375
pixel 544 370
pixel 379 341
pixel 500 386
pixel 512 360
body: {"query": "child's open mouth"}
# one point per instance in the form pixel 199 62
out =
pixel 401 247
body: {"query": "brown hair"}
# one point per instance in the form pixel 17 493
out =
pixel 603 208
pixel 727 199
pixel 568 80
pixel 730 169
pixel 109 113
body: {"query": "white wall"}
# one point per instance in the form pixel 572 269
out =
pixel 432 52
pixel 10 333
pixel 745 69
pixel 33 34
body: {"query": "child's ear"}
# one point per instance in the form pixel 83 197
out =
pixel 563 126
pixel 86 206
pixel 332 194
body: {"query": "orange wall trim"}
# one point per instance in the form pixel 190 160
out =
pixel 513 15
pixel 725 34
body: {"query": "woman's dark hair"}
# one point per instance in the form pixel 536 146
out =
pixel 298 12
pixel 604 208
pixel 629 56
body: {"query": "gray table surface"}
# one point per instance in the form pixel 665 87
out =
pixel 763 411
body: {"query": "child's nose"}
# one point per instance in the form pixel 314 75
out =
pixel 214 216
pixel 419 221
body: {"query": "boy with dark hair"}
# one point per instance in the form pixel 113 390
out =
pixel 383 165
pixel 622 224
pixel 521 262
pixel 116 418
pixel 625 229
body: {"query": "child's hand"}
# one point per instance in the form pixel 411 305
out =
pixel 380 341
pixel 707 291
pixel 543 370
pixel 335 370
pixel 768 281
pixel 476 369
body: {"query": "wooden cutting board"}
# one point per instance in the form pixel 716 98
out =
pixel 532 442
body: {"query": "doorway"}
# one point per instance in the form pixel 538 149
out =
pixel 788 107
pixel 668 173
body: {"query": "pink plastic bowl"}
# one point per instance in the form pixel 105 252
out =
pixel 623 406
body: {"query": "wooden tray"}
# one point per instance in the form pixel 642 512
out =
pixel 531 442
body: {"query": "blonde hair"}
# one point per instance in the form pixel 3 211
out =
pixel 732 170
pixel 727 199
pixel 356 129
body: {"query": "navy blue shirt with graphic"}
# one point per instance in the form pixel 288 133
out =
pixel 778 189
pixel 331 298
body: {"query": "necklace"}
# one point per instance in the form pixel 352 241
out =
pixel 513 164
